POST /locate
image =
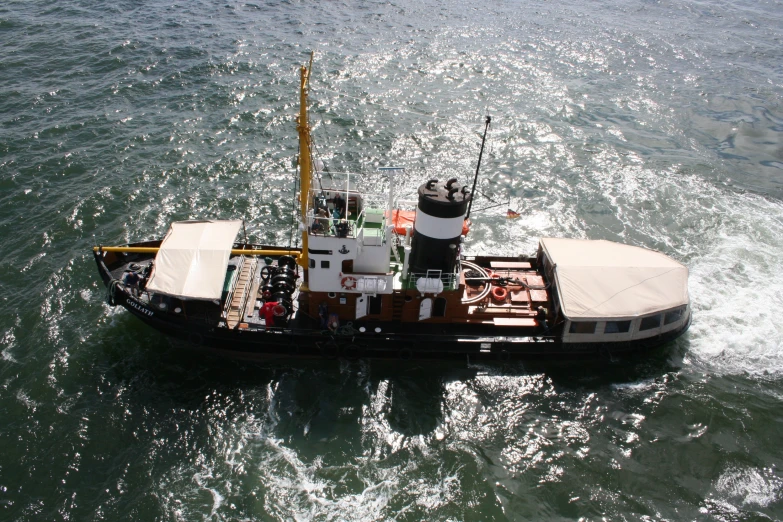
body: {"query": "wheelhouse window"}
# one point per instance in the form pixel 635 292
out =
pixel 312 263
pixel 648 323
pixel 587 327
pixel 673 316
pixel 617 327
pixel 325 264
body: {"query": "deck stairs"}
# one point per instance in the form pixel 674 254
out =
pixel 397 303
pixel 241 293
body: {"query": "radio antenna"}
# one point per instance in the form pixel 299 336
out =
pixel 481 153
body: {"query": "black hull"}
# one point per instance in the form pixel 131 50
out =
pixel 416 342
pixel 291 343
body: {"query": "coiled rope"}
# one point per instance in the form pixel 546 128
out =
pixel 111 292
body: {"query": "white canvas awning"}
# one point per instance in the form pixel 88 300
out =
pixel 192 259
pixel 601 279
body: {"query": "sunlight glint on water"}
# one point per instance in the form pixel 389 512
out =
pixel 653 124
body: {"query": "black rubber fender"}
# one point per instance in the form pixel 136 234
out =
pixel 353 351
pixel 330 350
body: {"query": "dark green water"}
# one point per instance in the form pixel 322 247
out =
pixel 653 123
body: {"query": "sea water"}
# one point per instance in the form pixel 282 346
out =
pixel 657 124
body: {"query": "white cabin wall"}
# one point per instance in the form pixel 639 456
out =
pixel 328 280
pixel 372 259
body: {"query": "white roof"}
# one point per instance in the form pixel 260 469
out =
pixel 601 279
pixel 192 259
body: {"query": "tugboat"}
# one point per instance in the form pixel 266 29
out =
pixel 376 279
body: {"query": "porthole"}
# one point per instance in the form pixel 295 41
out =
pixel 331 295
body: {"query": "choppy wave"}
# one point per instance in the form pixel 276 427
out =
pixel 652 124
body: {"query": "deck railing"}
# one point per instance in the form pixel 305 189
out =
pixel 450 280
pixel 248 289
pixel 232 289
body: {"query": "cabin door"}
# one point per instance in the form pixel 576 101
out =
pixel 362 303
pixel 425 309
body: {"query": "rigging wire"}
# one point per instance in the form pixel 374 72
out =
pixel 318 152
pixel 315 154
pixel 294 226
pixel 449 121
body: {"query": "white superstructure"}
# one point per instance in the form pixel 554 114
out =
pixel 349 240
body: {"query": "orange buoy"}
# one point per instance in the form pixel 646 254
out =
pixel 499 294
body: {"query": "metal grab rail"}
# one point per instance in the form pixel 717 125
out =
pixel 450 281
pixel 230 295
pixel 328 225
pixel 251 276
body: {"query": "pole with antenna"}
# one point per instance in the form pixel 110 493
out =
pixel 481 153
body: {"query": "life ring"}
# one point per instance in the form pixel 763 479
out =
pixel 348 283
pixel 499 293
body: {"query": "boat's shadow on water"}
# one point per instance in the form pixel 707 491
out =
pixel 324 400
pixel 175 363
pixel 596 374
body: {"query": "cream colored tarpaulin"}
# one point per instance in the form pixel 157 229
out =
pixel 192 259
pixel 602 279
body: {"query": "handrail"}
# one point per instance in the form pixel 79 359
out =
pixel 396 242
pixel 449 279
pixel 234 252
pixel 230 295
pixel 328 223
pixel 251 275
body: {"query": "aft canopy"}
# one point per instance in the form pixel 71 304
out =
pixel 601 279
pixel 192 259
